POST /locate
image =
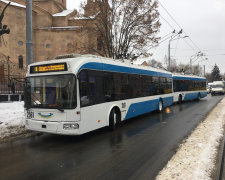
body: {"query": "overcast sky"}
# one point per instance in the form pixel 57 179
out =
pixel 202 20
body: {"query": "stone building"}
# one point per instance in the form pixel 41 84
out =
pixel 56 31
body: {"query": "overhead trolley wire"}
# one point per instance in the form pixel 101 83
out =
pixel 179 27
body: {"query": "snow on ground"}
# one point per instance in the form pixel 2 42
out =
pixel 12 119
pixel 196 157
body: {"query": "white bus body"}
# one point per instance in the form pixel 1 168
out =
pixel 47 81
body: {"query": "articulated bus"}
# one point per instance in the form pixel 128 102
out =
pixel 76 94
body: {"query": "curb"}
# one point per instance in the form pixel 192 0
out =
pixel 219 172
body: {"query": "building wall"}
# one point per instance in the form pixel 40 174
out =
pixel 49 6
pixel 60 21
pixel 48 42
pixel 60 42
pixel 14 44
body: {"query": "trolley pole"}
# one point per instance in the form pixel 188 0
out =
pixel 29 42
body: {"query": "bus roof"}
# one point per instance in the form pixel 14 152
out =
pixel 187 77
pixel 78 62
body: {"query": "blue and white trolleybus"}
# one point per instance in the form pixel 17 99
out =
pixel 81 93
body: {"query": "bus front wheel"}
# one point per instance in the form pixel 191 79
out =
pixel 160 108
pixel 114 119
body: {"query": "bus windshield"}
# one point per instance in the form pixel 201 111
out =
pixel 56 92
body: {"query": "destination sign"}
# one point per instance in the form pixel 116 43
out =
pixel 48 68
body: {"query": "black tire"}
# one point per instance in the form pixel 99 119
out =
pixel 199 97
pixel 160 106
pixel 114 119
pixel 180 99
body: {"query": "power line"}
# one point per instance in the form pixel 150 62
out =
pixel 166 21
pixel 179 26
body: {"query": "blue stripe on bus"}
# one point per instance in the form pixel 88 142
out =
pixel 203 94
pixel 167 101
pixel 192 96
pixel 188 78
pixel 140 108
pixel 122 69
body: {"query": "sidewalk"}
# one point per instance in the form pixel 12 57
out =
pixel 197 157
pixel 11 120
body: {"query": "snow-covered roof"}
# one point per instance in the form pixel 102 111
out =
pixel 84 17
pixel 13 3
pixel 63 13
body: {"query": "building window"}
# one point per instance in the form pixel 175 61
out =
pixel 69 45
pixel 21 62
pixel 20 43
pixel 48 45
pixel 99 43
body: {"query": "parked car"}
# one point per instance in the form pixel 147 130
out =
pixel 217 88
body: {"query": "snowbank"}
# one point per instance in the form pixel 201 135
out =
pixel 12 119
pixel 196 157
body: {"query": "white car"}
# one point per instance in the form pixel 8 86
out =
pixel 217 88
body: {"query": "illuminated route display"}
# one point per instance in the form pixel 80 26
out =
pixel 48 68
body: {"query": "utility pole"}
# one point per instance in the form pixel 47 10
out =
pixel 172 39
pixel 204 70
pixel 8 62
pixel 190 66
pixel 29 42
pixel 169 61
pixel 9 81
pixel 199 54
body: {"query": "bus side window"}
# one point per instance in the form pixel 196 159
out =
pixel 91 87
pixel 109 88
pixel 155 84
pixel 83 88
pixel 95 79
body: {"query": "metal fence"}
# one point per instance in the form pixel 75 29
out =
pixel 14 85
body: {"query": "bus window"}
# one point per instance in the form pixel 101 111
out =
pixel 155 85
pixel 91 87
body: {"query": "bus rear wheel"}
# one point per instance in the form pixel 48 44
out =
pixel 180 99
pixel 199 97
pixel 114 119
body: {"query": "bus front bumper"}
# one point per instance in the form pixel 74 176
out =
pixel 67 128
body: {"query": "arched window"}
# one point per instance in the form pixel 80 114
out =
pixel 20 62
pixel 99 43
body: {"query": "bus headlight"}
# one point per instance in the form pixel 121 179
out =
pixel 70 126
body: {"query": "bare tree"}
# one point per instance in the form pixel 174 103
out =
pixel 155 64
pixel 125 28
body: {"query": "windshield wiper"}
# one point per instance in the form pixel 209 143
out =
pixel 60 108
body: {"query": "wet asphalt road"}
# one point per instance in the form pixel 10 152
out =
pixel 138 149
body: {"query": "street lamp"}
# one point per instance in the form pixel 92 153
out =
pixel 199 54
pixel 206 59
pixel 169 60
